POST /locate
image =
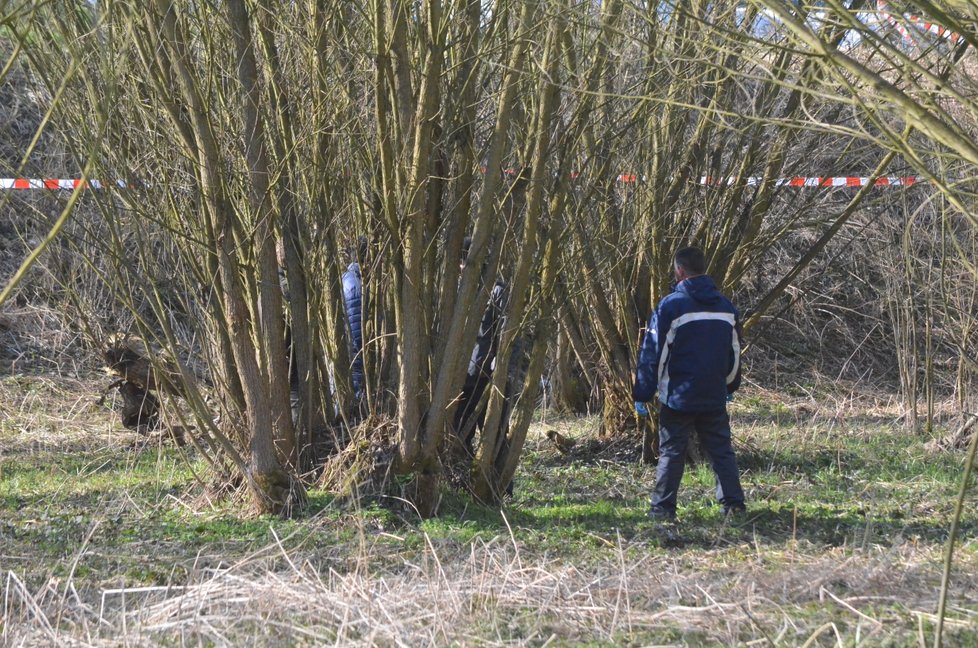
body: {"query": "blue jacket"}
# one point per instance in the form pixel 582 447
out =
pixel 690 354
pixel 353 301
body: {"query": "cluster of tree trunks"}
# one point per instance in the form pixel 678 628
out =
pixel 273 137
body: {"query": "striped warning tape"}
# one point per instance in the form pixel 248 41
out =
pixel 627 178
pixel 934 28
pixel 34 183
pixel 838 181
pixel 930 27
pixel 882 7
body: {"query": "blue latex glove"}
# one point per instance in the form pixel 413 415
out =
pixel 641 409
pixel 729 398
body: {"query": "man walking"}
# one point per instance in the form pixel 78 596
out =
pixel 690 356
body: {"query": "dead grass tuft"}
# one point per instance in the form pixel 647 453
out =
pixel 495 596
pixel 362 467
pixel 37 339
pixel 51 411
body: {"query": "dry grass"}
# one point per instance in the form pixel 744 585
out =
pixel 494 596
pixel 37 339
pixel 539 576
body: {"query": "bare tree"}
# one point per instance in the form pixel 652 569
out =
pixel 575 144
pixel 919 81
pixel 698 120
pixel 410 116
pixel 12 53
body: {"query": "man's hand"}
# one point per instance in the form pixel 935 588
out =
pixel 641 409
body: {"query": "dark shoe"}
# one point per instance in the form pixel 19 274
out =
pixel 661 515
pixel 735 510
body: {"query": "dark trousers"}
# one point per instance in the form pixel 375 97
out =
pixel 675 430
pixel 468 414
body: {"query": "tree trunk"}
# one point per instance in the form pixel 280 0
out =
pixel 650 437
pixel 617 410
pixel 571 387
pixel 271 330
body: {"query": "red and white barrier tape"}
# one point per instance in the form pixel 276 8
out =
pixel 930 27
pixel 799 181
pixel 881 6
pixel 34 183
pixel 837 181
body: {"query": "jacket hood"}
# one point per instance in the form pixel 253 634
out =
pixel 701 288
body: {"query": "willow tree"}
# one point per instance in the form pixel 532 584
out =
pixel 220 118
pixel 259 140
pixel 917 83
pixel 696 121
pixel 461 138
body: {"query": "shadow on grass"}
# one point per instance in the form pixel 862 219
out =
pixel 560 526
pixel 620 449
pixel 791 418
pixel 800 461
pixel 626 450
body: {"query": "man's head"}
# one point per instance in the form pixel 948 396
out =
pixel 689 262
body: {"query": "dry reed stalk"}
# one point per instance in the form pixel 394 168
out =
pixel 495 595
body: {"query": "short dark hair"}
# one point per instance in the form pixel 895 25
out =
pixel 692 260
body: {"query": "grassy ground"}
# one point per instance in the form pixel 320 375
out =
pixel 107 542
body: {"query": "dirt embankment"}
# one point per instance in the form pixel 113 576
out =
pixel 35 335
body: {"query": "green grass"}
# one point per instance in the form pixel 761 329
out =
pixel 833 502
